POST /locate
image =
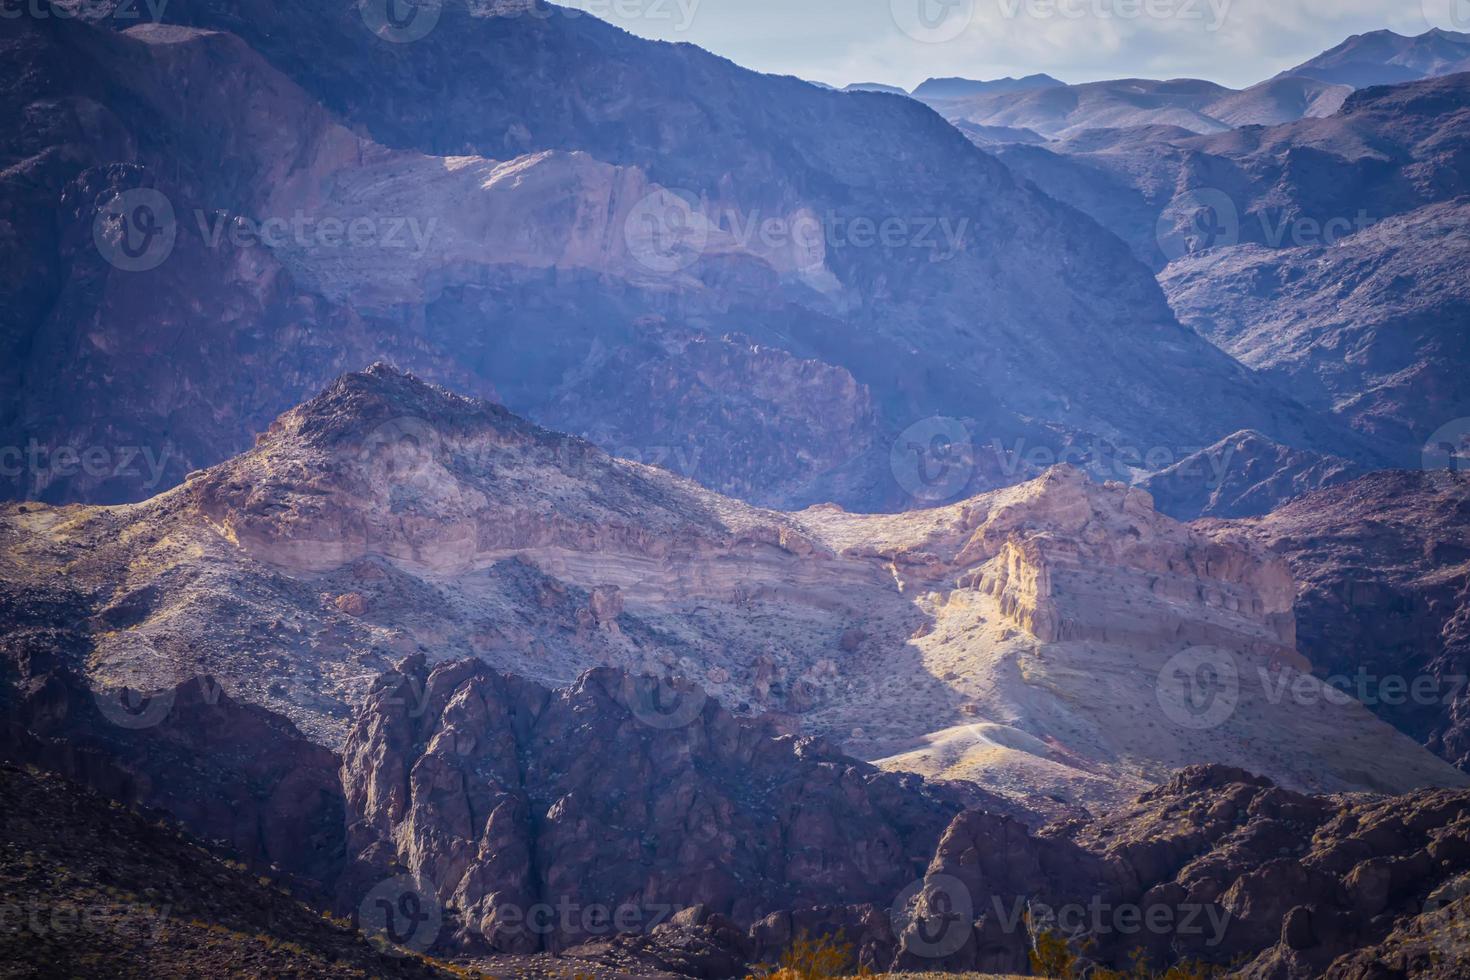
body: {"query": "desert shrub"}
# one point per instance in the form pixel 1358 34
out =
pixel 810 959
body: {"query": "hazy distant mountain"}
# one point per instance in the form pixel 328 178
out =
pixel 1387 151
pixel 874 87
pixel 1336 258
pixel 1279 100
pixel 1387 58
pixel 1313 89
pixel 959 88
pixel 994 135
pixel 1197 106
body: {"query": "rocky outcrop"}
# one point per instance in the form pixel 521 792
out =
pixel 1383 566
pixel 619 799
pixel 1218 867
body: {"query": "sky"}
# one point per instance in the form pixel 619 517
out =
pixel 902 42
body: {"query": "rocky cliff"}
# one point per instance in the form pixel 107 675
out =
pixel 1381 609
pixel 617 794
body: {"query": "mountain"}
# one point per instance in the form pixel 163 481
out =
pixel 1064 111
pixel 1371 328
pixel 960 88
pixel 1279 100
pixel 1383 597
pixel 1245 475
pixel 1334 247
pixel 874 87
pixel 583 305
pixel 1387 58
pixel 1030 639
pixel 990 135
pixel 1388 151
pixel 1061 110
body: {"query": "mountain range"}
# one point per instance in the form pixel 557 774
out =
pixel 1077 348
pixel 483 493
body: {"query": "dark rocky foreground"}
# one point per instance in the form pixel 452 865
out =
pixel 91 889
pixel 623 828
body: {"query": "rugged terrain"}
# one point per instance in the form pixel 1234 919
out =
pixel 539 235
pixel 1384 600
pixel 94 889
pixel 1327 254
pixel 1044 640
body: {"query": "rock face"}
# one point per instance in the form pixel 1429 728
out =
pixel 1038 640
pixel 1243 476
pixel 1393 294
pixel 615 795
pixel 228 772
pixel 535 221
pixel 1216 866
pixel 1382 567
